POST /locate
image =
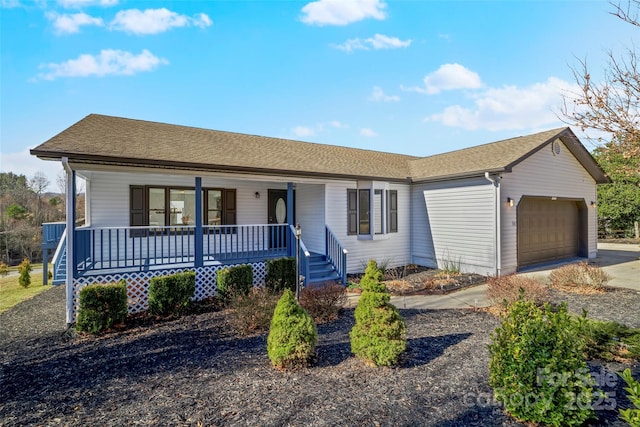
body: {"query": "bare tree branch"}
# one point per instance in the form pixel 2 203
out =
pixel 628 13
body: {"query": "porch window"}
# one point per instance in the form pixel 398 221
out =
pixel 175 206
pixel 362 215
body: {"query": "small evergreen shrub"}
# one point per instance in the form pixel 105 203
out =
pixel 234 280
pixel 292 335
pixel 579 277
pixel 323 302
pixel 25 269
pixel 378 337
pixel 252 313
pixel 631 415
pixel 281 274
pixel 101 307
pixel 537 368
pixel 171 295
pixel 505 290
pixel 4 269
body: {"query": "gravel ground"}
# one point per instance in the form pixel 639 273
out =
pixel 193 371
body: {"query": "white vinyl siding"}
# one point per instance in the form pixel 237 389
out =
pixel 454 223
pixel 310 215
pixel 547 175
pixel 393 248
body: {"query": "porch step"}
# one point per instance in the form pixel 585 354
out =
pixel 60 273
pixel 320 270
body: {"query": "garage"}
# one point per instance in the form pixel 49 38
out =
pixel 550 229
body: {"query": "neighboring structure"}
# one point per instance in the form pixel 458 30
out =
pixel 165 198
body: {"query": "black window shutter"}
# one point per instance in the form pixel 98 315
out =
pixel 229 207
pixel 392 214
pixel 352 211
pixel 137 204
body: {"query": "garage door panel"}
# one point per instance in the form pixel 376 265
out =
pixel 547 230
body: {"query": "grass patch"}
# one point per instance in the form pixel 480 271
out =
pixel 11 293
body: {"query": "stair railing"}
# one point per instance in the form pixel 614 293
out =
pixel 336 254
pixel 57 257
pixel 305 255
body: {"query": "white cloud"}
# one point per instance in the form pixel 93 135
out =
pixel 69 4
pixel 10 4
pixel 508 108
pixel 448 77
pixel 342 12
pixel 338 124
pixel 23 163
pixel 368 132
pixel 303 131
pixel 377 42
pixel 154 21
pixel 378 95
pixel 69 24
pixel 108 62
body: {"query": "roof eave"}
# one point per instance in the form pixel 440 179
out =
pixel 461 175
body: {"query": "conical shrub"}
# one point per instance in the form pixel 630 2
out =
pixel 378 337
pixel 292 335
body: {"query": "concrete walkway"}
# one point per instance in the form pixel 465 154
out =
pixel 620 261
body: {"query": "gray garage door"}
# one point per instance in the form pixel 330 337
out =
pixel 548 230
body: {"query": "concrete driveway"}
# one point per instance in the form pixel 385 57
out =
pixel 621 261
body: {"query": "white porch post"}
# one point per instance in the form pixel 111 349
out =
pixel 71 225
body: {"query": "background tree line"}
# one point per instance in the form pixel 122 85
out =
pixel 24 205
pixel 611 108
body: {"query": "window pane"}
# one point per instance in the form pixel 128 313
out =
pixel 364 209
pixel 214 207
pixel 183 207
pixel 377 209
pixel 156 206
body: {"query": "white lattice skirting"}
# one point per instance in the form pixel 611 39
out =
pixel 138 283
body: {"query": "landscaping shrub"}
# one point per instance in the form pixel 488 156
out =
pixel 4 269
pixel 378 336
pixel 608 340
pixel 631 415
pixel 234 280
pixel 252 313
pixel 323 302
pixel 281 274
pixel 292 335
pixel 505 290
pixel 171 295
pixel 537 368
pixel 102 306
pixel 580 276
pixel 25 269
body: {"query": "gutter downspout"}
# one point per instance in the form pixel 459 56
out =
pixel 70 218
pixel 498 234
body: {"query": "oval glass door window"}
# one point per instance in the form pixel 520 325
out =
pixel 281 211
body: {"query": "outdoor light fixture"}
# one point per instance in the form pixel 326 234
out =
pixel 510 201
pixel 554 198
pixel 257 195
pixel 593 204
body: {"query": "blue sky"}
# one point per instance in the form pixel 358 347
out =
pixel 413 77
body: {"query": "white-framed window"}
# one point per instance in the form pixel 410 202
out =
pixel 372 211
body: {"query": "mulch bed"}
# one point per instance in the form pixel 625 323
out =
pixel 194 370
pixel 417 280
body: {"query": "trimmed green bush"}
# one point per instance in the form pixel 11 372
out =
pixel 171 295
pixel 631 415
pixel 102 306
pixel 25 269
pixel 378 336
pixel 281 274
pixel 292 335
pixel 537 368
pixel 236 280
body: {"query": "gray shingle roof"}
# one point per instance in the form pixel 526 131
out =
pixel 114 140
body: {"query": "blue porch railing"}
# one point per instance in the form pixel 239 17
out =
pixel 336 254
pixel 98 250
pixel 52 232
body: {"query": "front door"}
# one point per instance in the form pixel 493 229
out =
pixel 278 215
